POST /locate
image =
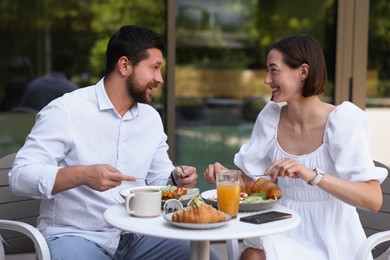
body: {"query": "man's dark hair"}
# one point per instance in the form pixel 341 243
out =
pixel 133 42
pixel 302 48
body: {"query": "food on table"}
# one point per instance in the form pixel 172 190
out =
pixel 257 197
pixel 179 193
pixel 262 186
pixel 243 196
pixel 172 192
pixel 198 212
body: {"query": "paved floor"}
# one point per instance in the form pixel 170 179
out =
pixel 219 246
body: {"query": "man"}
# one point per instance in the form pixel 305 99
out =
pixel 89 144
pixel 44 89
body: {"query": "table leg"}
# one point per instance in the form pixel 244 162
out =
pixel 200 250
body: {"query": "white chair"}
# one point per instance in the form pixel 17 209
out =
pixel 377 226
pixel 371 242
pixel 233 249
pixel 18 214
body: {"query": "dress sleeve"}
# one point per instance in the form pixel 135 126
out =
pixel 253 157
pixel 347 135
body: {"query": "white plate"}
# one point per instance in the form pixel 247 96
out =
pixel 244 207
pixel 191 193
pixel 168 217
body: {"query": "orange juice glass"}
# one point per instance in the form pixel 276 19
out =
pixel 228 191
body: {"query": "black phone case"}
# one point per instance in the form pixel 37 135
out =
pixel 266 217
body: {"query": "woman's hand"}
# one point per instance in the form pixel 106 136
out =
pixel 362 194
pixel 209 173
pixel 288 167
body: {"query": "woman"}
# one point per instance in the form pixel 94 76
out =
pixel 319 153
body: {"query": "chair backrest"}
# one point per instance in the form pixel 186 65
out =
pixel 376 222
pixel 13 207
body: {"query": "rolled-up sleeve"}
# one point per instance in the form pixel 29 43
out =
pixel 38 161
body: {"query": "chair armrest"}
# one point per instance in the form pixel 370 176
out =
pixel 372 241
pixel 233 249
pixel 39 241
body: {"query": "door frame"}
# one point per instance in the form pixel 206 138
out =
pixel 351 51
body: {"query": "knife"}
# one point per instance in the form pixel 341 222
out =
pixel 154 179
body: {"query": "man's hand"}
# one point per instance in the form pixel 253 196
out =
pixel 185 176
pixel 100 177
pixel 105 176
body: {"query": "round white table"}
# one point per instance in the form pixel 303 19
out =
pixel 199 239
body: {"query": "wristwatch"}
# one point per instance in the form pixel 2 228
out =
pixel 318 178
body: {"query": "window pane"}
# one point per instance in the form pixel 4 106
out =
pixel 378 74
pixel 221 54
pixel 33 32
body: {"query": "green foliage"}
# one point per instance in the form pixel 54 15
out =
pixel 111 15
pixel 300 17
pixel 82 26
pixel 379 33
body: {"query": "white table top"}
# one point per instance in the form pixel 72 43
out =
pixel 234 229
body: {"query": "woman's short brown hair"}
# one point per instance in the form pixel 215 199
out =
pixel 302 48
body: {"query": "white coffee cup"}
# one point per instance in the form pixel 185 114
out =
pixel 144 202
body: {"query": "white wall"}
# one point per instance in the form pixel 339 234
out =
pixel 379 123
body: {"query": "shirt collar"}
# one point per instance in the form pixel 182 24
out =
pixel 104 101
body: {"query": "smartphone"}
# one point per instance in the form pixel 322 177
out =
pixel 266 217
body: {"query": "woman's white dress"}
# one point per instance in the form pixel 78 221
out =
pixel 330 229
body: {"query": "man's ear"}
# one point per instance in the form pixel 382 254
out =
pixel 304 71
pixel 124 66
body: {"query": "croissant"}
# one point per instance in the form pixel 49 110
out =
pixel 198 212
pixel 262 185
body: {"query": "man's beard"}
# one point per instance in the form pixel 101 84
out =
pixel 137 93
